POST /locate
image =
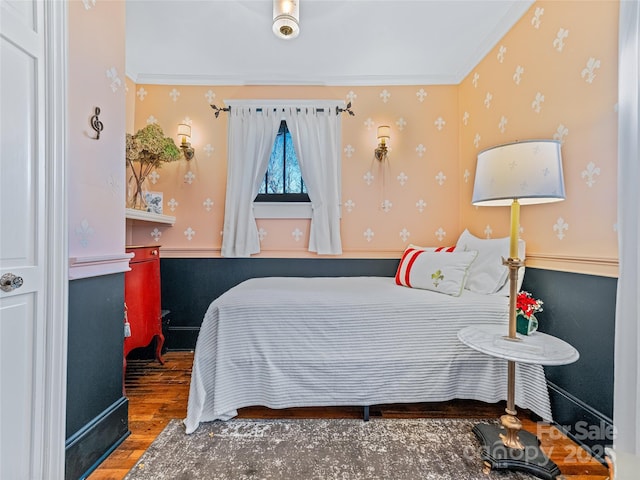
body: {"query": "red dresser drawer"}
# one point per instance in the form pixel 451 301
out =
pixel 144 253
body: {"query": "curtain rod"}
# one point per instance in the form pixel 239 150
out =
pixel 339 110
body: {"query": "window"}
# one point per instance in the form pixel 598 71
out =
pixel 253 126
pixel 283 181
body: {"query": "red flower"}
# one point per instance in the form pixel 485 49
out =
pixel 527 305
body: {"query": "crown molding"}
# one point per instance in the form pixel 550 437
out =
pixel 341 80
pixel 213 66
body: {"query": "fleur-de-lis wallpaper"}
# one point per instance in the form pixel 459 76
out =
pixel 554 75
pixel 96 181
pixel 564 87
pixel 411 199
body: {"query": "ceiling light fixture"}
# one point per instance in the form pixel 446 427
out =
pixel 286 16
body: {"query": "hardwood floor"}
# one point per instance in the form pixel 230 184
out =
pixel 159 393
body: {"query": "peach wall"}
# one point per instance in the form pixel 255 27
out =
pixel 96 167
pixel 565 55
pixel 419 201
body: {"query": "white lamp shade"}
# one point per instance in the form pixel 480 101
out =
pixel 286 15
pixel 529 171
pixel 184 130
pixel 384 131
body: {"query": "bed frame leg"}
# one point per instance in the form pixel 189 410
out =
pixel 365 413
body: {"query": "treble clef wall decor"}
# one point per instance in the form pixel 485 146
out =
pixel 96 124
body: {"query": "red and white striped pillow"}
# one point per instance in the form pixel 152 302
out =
pixel 438 269
pixel 409 256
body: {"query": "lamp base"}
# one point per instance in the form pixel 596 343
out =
pixel 499 457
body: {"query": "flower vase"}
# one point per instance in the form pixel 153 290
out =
pixel 526 326
pixel 136 193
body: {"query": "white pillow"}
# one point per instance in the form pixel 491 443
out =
pixel 487 274
pixel 443 272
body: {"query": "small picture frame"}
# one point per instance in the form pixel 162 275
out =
pixel 154 202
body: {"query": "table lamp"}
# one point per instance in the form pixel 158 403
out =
pixel 514 174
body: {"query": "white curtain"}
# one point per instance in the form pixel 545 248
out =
pixel 316 139
pixel 252 132
pixel 626 408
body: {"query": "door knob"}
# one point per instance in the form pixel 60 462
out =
pixel 9 282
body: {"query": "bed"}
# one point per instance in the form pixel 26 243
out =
pixel 291 341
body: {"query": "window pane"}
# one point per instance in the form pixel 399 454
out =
pixel 275 182
pixel 283 180
pixel 294 177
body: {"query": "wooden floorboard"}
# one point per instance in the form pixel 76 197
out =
pixel 158 393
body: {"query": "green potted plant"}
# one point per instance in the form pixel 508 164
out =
pixel 147 149
pixel 526 306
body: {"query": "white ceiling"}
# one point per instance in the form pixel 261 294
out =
pixel 348 42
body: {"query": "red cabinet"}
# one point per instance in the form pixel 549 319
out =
pixel 142 298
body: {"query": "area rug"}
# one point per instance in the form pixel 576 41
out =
pixel 322 449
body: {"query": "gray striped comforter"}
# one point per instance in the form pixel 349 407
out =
pixel 286 342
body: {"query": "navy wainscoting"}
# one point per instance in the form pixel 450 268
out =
pixel 189 285
pixel 97 411
pixel 580 309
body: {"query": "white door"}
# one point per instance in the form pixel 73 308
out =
pixel 31 441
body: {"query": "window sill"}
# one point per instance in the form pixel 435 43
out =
pixel 282 209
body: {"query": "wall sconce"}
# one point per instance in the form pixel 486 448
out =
pixel 184 131
pixel 286 16
pixel 384 134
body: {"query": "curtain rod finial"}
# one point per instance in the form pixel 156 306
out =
pixel 218 110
